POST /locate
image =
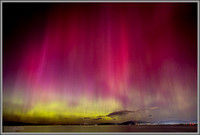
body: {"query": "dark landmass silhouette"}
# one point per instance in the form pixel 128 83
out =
pixel 168 122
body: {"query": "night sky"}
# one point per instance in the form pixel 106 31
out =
pixel 99 62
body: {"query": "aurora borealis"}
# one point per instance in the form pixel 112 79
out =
pixel 99 62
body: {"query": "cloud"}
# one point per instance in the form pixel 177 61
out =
pixel 86 118
pixel 100 116
pixel 125 112
pixel 97 119
pixel 119 113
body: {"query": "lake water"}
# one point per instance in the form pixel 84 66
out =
pixel 102 128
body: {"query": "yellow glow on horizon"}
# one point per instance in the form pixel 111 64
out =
pixel 55 110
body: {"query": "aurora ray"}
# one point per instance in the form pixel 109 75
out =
pixel 77 62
